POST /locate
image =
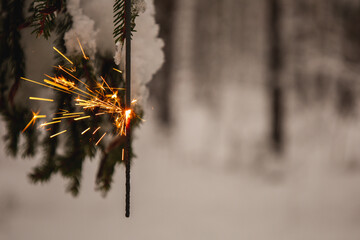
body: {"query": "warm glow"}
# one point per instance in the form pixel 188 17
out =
pixel 104 100
pixel 128 114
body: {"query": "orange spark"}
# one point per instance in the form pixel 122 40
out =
pixel 79 118
pixel 41 99
pixel 32 121
pixel 48 123
pixel 117 70
pixel 63 55
pixel 85 131
pixel 105 100
pixel 56 134
pixel 105 82
pixel 96 130
pixel 71 116
pixel 100 139
pixel 75 113
pixel 32 81
pixel 82 50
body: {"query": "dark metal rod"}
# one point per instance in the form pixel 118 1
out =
pixel 127 102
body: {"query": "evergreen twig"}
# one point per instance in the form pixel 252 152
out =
pixel 44 14
pixel 12 67
pixel 119 20
pixel 66 159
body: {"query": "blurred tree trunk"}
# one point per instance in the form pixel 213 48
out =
pixel 274 74
pixel 347 92
pixel 160 86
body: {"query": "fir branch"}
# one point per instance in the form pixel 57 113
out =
pixel 16 51
pixel 69 163
pixel 11 56
pixel 119 19
pixel 50 162
pixel 31 138
pixel 14 126
pixel 44 14
pixel 12 67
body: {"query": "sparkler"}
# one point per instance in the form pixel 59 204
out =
pixel 127 104
pixel 105 100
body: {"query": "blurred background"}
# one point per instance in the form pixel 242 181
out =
pixel 252 132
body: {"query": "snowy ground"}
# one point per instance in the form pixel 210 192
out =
pixel 310 194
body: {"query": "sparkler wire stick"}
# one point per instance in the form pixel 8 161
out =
pixel 127 103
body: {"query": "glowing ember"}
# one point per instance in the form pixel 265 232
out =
pixel 127 115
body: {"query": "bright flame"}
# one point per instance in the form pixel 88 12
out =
pixel 128 114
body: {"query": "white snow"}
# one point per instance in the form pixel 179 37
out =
pixel 83 28
pixel 146 54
